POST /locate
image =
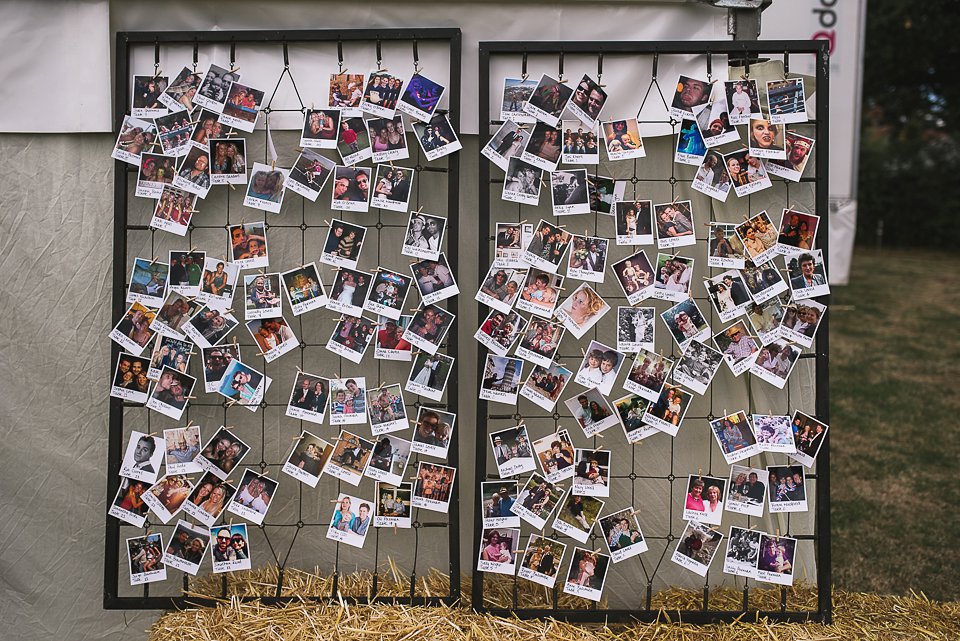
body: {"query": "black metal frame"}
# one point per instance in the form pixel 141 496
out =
pixel 114 553
pixel 742 51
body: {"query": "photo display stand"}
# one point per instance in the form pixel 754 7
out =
pixel 395 565
pixel 654 487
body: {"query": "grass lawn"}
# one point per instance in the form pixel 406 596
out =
pixel 895 437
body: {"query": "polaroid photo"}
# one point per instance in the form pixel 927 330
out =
pixel 320 128
pixel 672 278
pixel 230 551
pixel 429 328
pixel 428 375
pixel 580 144
pixel 808 275
pixel 744 100
pixel 540 293
pixel 388 141
pixel 498 550
pixel 766 140
pixel 242 107
pixel 435 280
pixel 216 360
pixel 512 451
pixel 536 501
pixel 621 534
pixel 433 487
pixel 391 189
pixel 542 560
pixel 808 434
pixel 349 458
pixel 381 94
pixel 174 211
pixel 205 128
pixel 576 516
pixel 343 244
pixel 304 289
pixel 591 472
pixel 630 410
pixel 587 574
pixel 348 401
pixel 587 258
pixel 747 172
pixel 131 381
pixel 765 318
pixel 776 559
pixel 675 224
pixel 548 100
pixel 424 236
pixel 759 237
pixel 135 136
pixel 522 182
pixel 735 437
pixel 499 331
pixel 581 310
pixel 775 362
pixel 686 323
pixel 174 132
pixel 543 147
pixel 309 174
pixel 508 141
pixel 604 192
pixel 568 188
pixel 349 291
pixel 386 411
pixel 128 505
pixel 587 101
pixel 496 499
pixel 432 432
pixel 218 283
pixel 179 94
pixel 787 488
pixel 308 398
pixel 547 247
pixel 667 411
pixel 555 454
pixel 786 101
pixel 169 394
pixel 209 327
pixel 697 367
pixel 622 139
pixel 774 433
pixel 437 137
pixel 501 379
pixel 166 496
pixel 798 232
pixel 390 345
pixel 798 151
pixel 690 93
pixel 540 341
pixel 516 93
pixel 353 143
pixel 188 544
pixel 635 328
pixel 726 250
pixel 261 296
pixel 247 244
pixel 142 458
pixel 600 366
pixel 500 288
pixel 351 336
pixel 728 293
pixel 273 336
pixel 346 93
pixel 213 90
pixel 389 459
pixel 764 281
pixel 145 98
pixel 181 446
pixel 421 97
pixel 545 384
pixel 144 554
pixel 647 374
pixel 592 412
pixel 244 385
pixel 222 453
pixel 252 499
pixel 387 294
pixel 394 508
pixel 634 222
pixel 712 177
pixel 209 499
pixel 704 499
pixel 747 487
pixel 801 320
pixel 266 188
pixel 169 352
pixel 738 346
pixel 713 120
pixel 156 172
pixel 690 146
pixel 743 551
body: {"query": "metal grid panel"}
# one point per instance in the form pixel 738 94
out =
pixel 643 607
pixel 306 220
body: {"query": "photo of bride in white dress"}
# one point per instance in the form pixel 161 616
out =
pixel 349 291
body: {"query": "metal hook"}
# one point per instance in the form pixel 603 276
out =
pixel 599 67
pixel 746 63
pixel 786 64
pixel 416 57
pixel 196 46
pixel 561 66
pixel 233 55
pixel 156 56
pixel 656 62
pixel 379 56
pixel 340 53
pixel 523 66
pixel 286 56
pixel 709 66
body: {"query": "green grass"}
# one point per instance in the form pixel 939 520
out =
pixel 895 440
